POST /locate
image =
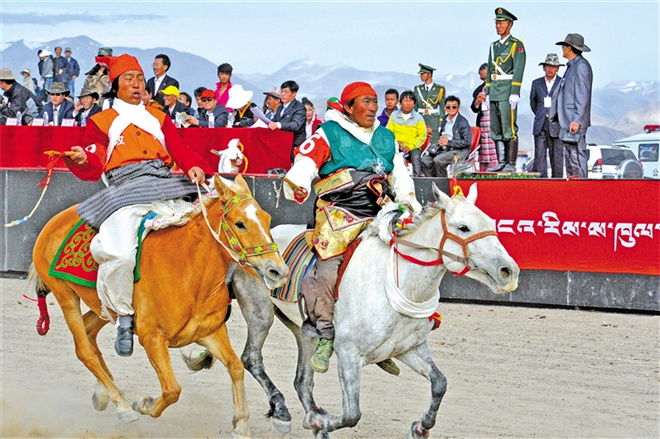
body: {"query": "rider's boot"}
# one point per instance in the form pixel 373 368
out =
pixel 389 366
pixel 500 148
pixel 124 342
pixel 511 156
pixel 321 358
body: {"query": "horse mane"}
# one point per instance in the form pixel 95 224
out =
pixel 390 214
pixel 179 212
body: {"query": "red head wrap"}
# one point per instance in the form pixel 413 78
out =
pixel 355 89
pixel 118 65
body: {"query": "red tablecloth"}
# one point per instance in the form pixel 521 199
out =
pixel 23 146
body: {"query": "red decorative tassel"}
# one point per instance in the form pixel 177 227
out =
pixel 43 324
pixel 436 319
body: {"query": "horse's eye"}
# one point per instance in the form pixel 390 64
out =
pixel 240 225
pixel 464 228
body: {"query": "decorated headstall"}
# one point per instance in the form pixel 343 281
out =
pixel 446 235
pixel 242 253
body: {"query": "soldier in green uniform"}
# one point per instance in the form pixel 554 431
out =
pixel 430 102
pixel 506 64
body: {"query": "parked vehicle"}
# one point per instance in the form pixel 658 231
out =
pixel 646 147
pixel 612 162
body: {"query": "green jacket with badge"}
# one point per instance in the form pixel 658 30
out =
pixel 434 99
pixel 506 65
pixel 431 106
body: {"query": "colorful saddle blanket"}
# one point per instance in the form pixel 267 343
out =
pixel 74 261
pixel 299 257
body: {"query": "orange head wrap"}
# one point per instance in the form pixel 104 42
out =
pixel 355 89
pixel 119 64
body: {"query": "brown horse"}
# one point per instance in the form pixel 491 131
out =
pixel 181 297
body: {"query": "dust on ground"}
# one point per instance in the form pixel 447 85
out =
pixel 512 372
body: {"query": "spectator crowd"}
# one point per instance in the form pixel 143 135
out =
pixel 429 129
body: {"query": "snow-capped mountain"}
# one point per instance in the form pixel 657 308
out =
pixel 619 109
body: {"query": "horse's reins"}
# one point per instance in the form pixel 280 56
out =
pixel 235 249
pixel 446 234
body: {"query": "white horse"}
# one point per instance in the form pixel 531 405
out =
pixel 388 291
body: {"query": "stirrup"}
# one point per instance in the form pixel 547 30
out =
pixel 389 366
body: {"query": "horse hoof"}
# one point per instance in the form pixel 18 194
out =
pixel 308 422
pixel 128 415
pixel 100 398
pixel 143 405
pixel 312 420
pixel 283 427
pixel 417 431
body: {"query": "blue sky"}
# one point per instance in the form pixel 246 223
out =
pixel 263 36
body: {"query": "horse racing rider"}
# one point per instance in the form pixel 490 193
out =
pixel 358 162
pixel 135 147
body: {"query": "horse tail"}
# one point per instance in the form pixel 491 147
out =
pixel 42 290
pixel 204 360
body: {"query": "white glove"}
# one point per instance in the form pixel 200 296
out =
pixel 410 201
pixel 513 101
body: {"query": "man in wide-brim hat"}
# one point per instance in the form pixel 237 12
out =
pixel 86 106
pixel 46 68
pixel 27 79
pixel 17 98
pixel 58 108
pixel 271 102
pixel 545 131
pixel 572 108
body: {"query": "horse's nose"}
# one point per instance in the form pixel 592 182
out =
pixel 505 272
pixel 509 276
pixel 276 273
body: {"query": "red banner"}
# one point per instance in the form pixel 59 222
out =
pixel 609 226
pixel 23 146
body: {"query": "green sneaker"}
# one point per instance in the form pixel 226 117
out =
pixel 389 366
pixel 321 358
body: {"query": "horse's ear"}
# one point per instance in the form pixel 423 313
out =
pixel 472 194
pixel 242 183
pixel 223 187
pixel 441 198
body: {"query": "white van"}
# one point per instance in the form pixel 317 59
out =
pixel 646 147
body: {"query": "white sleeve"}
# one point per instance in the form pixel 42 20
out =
pixel 301 173
pixel 403 185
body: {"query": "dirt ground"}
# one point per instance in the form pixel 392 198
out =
pixel 512 372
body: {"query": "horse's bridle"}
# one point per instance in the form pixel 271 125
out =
pixel 235 249
pixel 446 235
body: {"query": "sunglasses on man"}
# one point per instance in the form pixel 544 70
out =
pixel 451 107
pixel 207 99
pixel 57 94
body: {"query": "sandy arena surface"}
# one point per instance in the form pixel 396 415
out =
pixel 512 372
